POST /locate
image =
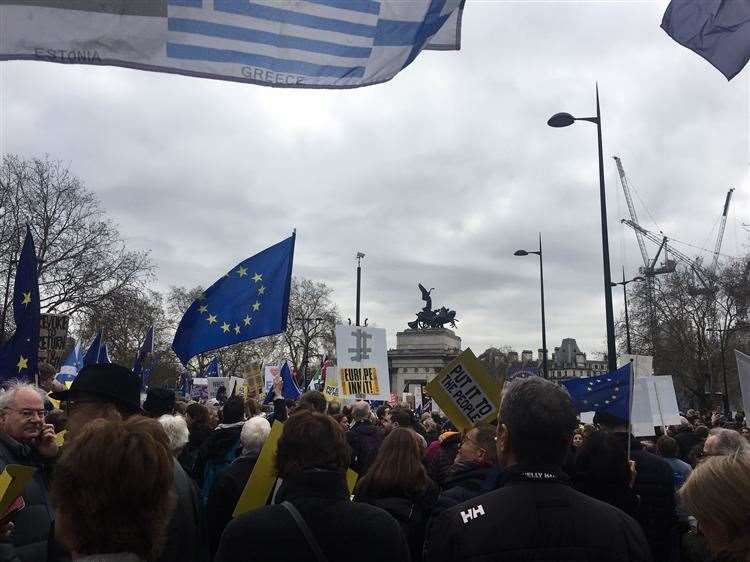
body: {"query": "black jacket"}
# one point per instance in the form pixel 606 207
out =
pixel 686 440
pixel 32 523
pixel 656 513
pixel 215 447
pixel 535 515
pixel 224 496
pixel 466 481
pixel 364 438
pixel 412 513
pixel 186 534
pixel 340 526
pixel 440 464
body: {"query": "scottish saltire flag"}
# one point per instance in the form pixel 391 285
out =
pixel 71 365
pixel 250 301
pixel 608 393
pixel 718 30
pixel 103 354
pixel 146 347
pixel 283 43
pixel 19 355
pixel 213 369
pixel 520 372
pixel 92 353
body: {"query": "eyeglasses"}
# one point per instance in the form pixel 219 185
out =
pixel 28 412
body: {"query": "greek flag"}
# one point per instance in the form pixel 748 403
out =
pixel 283 43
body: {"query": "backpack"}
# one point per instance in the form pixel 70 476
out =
pixel 214 467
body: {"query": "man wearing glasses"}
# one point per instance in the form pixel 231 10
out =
pixel 25 439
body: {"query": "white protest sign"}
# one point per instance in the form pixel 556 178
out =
pixel 362 362
pixel 214 383
pixel 641 415
pixel 743 372
pixel 663 400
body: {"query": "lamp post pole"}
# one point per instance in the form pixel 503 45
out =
pixel 360 255
pixel 564 120
pixel 624 284
pixel 541 283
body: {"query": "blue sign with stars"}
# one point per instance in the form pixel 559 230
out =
pixel 249 302
pixel 18 357
pixel 604 393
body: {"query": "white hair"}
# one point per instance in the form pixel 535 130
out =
pixel 360 410
pixel 177 431
pixel 254 434
pixel 8 398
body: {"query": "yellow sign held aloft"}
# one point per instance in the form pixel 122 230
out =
pixel 263 476
pixel 12 482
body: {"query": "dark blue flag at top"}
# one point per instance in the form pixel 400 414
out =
pixel 608 393
pixel 146 347
pixel 104 354
pixel 250 301
pixel 718 30
pixel 92 353
pixel 19 356
pixel 289 388
pixel 213 369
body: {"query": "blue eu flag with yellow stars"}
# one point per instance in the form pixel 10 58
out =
pixel 603 393
pixel 249 302
pixel 19 356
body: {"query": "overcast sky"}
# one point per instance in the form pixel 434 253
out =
pixel 438 176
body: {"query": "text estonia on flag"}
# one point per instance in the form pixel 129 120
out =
pixel 608 393
pixel 250 301
pixel 285 43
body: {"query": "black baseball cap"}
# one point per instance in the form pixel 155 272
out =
pixel 108 381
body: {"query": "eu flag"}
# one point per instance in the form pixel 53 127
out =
pixel 213 369
pixel 604 393
pixel 146 348
pixel 249 302
pixel 289 388
pixel 92 353
pixel 104 354
pixel 19 356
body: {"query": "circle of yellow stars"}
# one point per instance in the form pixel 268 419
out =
pixel 226 327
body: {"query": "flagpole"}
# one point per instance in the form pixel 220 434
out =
pixel 630 406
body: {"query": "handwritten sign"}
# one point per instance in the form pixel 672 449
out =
pixel 466 392
pixel 53 331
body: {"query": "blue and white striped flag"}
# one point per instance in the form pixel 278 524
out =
pixel 287 43
pixel 72 364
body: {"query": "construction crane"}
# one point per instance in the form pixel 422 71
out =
pixel 722 226
pixel 649 268
pixel 694 266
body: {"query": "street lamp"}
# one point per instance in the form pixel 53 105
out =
pixel 541 282
pixel 723 348
pixel 564 120
pixel 625 295
pixel 359 257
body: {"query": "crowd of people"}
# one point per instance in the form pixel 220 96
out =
pixel 159 480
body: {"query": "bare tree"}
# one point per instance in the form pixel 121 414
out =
pixel 83 260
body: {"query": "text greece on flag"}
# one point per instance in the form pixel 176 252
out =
pixel 285 43
pixel 250 301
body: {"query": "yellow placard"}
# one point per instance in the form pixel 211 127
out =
pixel 55 403
pixel 465 391
pixel 351 480
pixel 12 482
pixel 356 381
pixel 263 476
pixel 331 387
pixel 60 437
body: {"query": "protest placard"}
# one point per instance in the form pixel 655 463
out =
pixel 465 391
pixel 53 331
pixel 362 362
pixel 12 482
pixel 331 387
pixel 263 477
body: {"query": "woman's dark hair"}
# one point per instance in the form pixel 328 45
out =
pixel 403 417
pixel 113 488
pixel 602 459
pixel 311 440
pixel 198 413
pixel 233 410
pixel 397 470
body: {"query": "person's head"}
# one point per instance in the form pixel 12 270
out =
pixel 578 438
pixel 360 410
pixel 535 424
pixel 22 411
pixel 603 460
pixel 381 412
pixel 98 392
pixel 113 489
pixel 197 414
pixel 311 440
pixel 342 420
pixel 723 441
pixel 252 408
pixel 478 446
pixel 701 432
pixel 313 400
pixel 159 401
pixel 717 494
pixel 254 433
pixel 745 432
pixel 177 432
pixel 334 407
pixel 46 377
pixel 667 447
pixel 234 410
pixel 397 469
pixel 399 417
